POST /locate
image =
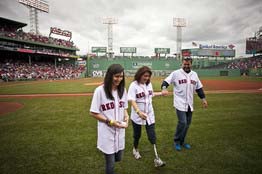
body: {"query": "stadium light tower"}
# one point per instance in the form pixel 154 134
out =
pixel 110 21
pixel 35 6
pixel 179 23
pixel 258 34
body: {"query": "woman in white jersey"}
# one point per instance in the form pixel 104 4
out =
pixel 140 95
pixel 109 106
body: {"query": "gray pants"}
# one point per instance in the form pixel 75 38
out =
pixel 184 120
pixel 111 159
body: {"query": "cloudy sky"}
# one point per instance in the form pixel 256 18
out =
pixel 147 24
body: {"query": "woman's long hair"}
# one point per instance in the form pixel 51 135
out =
pixel 140 72
pixel 108 81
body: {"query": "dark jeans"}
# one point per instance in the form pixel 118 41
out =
pixel 184 120
pixel 150 130
pixel 111 159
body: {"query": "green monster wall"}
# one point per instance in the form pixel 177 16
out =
pixel 98 67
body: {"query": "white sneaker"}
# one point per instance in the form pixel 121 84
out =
pixel 159 163
pixel 136 154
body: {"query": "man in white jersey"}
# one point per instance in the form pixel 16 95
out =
pixel 109 107
pixel 185 82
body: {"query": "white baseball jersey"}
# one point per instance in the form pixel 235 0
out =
pixel 142 94
pixel 185 85
pixel 110 139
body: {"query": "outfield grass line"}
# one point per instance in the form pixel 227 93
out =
pixel 242 91
pixel 21 83
pixel 246 91
pixel 45 95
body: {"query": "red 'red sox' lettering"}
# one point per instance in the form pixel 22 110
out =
pixel 140 95
pixel 111 105
pixel 182 81
pixel 121 104
pixel 193 82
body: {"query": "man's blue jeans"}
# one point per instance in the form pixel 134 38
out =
pixel 184 120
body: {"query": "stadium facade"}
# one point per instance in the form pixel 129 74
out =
pixel 34 52
pixel 19 47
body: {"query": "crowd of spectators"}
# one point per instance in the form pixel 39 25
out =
pixel 12 71
pixel 21 35
pixel 246 63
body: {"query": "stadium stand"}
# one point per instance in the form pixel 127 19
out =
pixel 246 64
pixel 13 29
pixel 13 71
pixel 27 56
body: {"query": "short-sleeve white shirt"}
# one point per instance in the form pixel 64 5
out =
pixel 110 139
pixel 142 94
pixel 185 85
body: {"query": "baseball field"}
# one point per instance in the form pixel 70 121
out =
pixel 45 128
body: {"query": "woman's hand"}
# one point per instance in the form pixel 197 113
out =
pixel 164 92
pixel 142 115
pixel 119 124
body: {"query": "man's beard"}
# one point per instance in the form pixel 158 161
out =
pixel 187 70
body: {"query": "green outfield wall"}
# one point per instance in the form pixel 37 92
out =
pixel 98 67
pixel 255 72
pixel 218 72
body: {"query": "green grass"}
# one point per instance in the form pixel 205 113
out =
pixel 44 87
pixel 57 135
pixel 79 86
pixel 49 87
pixel 240 78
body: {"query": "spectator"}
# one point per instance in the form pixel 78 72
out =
pixel 22 71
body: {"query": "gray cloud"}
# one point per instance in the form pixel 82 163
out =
pixel 147 24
